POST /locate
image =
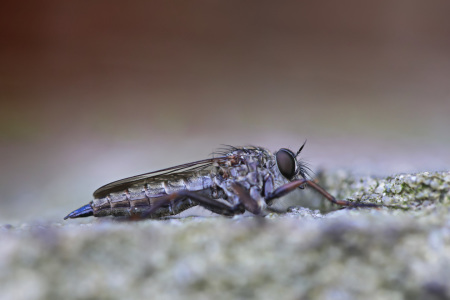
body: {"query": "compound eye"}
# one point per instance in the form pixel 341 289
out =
pixel 286 162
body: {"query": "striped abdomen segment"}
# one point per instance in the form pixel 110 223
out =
pixel 138 199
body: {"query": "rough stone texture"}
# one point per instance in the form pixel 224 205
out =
pixel 304 254
pixel 407 191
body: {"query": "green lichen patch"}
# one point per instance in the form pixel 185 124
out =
pixel 405 191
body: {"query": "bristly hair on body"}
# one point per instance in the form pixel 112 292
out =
pixel 227 149
pixel 304 168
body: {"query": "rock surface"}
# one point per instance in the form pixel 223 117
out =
pixel 387 253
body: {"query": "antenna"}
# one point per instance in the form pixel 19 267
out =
pixel 301 148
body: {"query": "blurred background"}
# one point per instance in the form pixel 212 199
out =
pixel 94 91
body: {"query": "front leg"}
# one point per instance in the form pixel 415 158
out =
pixel 289 187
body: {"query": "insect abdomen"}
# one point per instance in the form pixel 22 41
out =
pixel 138 200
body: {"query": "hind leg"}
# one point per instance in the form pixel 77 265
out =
pixel 205 202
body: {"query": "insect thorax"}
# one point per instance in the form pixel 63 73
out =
pixel 248 167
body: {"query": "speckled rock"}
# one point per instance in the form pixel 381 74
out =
pixel 304 254
pixel 406 191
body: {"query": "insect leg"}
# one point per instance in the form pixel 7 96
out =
pixel 289 187
pixel 249 203
pixel 210 204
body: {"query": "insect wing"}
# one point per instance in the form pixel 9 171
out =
pixel 122 184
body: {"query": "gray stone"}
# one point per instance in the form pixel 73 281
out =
pixel 386 253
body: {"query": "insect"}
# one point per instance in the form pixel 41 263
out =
pixel 239 179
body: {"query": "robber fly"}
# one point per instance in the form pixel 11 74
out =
pixel 240 179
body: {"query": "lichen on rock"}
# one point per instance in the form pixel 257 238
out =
pixel 405 191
